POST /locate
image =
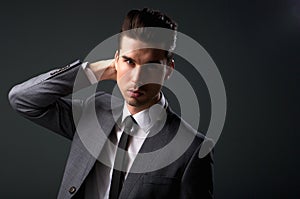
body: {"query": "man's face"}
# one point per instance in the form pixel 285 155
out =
pixel 141 72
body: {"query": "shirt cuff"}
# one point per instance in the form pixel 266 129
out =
pixel 89 73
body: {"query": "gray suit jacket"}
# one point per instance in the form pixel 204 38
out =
pixel 42 99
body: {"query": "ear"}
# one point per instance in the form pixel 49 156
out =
pixel 170 68
pixel 116 59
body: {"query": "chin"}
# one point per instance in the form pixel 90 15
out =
pixel 132 102
pixel 135 103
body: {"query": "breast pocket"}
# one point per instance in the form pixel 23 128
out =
pixel 160 187
pixel 159 180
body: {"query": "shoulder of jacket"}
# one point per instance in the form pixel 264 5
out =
pixel 103 100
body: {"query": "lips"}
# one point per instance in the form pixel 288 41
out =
pixel 134 93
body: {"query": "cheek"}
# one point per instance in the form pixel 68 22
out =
pixel 122 74
pixel 155 78
pixel 119 70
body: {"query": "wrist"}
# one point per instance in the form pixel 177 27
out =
pixel 103 70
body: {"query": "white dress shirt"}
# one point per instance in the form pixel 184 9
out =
pixel 98 184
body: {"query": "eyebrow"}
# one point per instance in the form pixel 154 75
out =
pixel 149 62
pixel 128 58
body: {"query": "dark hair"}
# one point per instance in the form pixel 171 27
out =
pixel 137 20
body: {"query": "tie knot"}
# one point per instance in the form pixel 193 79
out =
pixel 128 123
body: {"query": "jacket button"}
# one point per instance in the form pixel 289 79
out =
pixel 72 190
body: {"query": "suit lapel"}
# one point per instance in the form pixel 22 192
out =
pixel 88 143
pixel 151 143
pixel 91 134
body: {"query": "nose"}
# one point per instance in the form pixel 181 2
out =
pixel 147 74
pixel 138 75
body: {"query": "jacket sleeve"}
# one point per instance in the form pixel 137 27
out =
pixel 197 180
pixel 43 99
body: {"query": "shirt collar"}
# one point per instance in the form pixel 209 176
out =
pixel 148 117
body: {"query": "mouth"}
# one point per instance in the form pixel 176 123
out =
pixel 134 93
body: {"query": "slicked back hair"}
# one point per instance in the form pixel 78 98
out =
pixel 137 25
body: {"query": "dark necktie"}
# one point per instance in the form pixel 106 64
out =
pixel 121 161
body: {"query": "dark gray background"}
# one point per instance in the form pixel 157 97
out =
pixel 255 45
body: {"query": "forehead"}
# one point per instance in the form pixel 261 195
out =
pixel 134 47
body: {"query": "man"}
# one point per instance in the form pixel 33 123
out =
pixel 120 166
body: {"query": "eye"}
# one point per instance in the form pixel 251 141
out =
pixel 129 61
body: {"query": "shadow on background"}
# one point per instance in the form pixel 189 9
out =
pixel 255 45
